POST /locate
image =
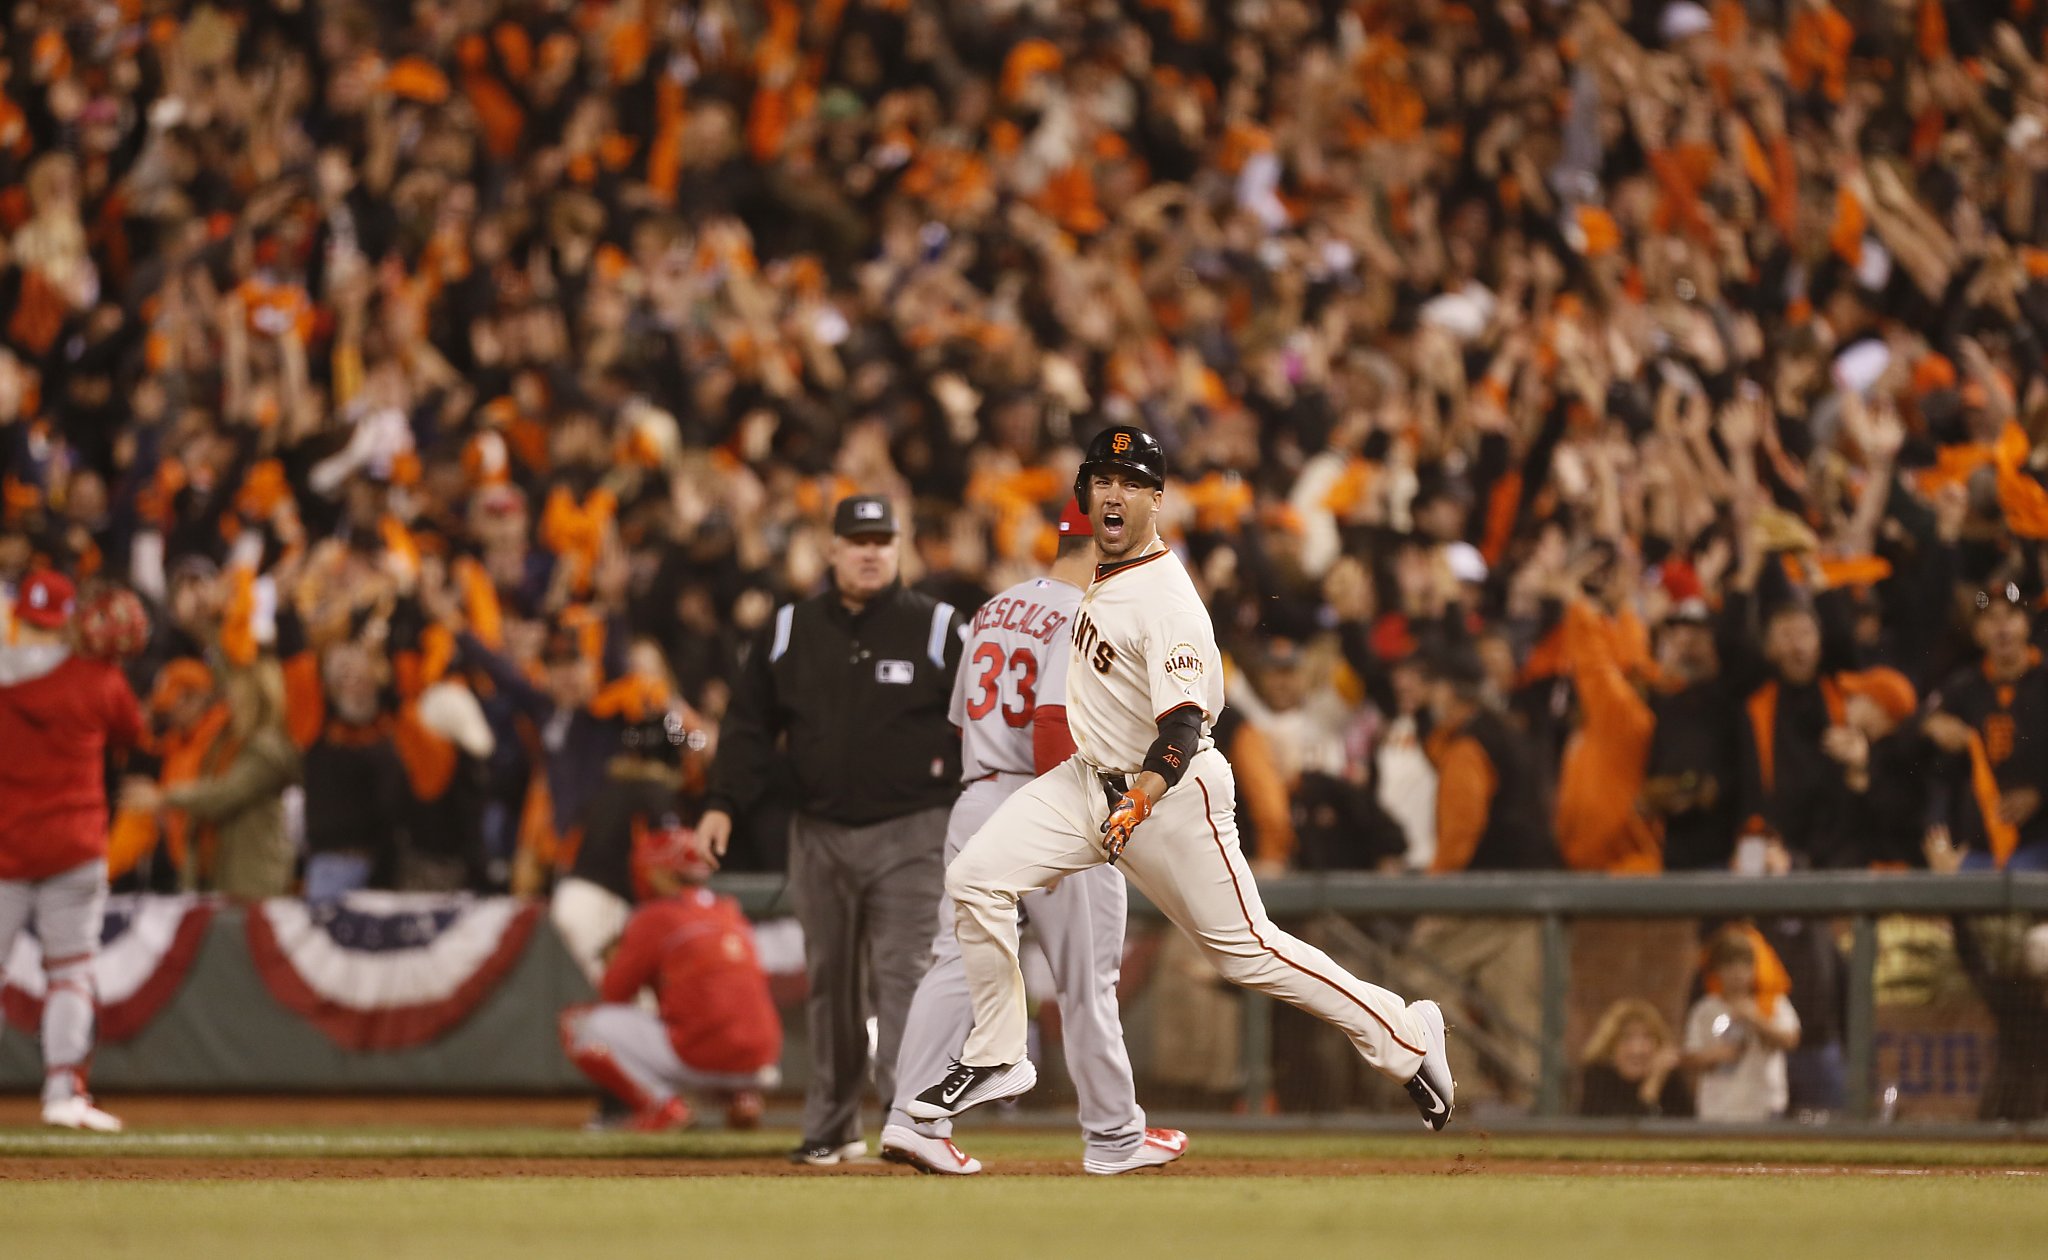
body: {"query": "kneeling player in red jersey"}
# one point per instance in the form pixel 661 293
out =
pixel 717 1030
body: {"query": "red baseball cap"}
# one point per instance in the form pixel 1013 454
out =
pixel 45 600
pixel 667 846
pixel 1074 522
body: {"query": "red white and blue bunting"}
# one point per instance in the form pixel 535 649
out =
pixel 147 944
pixel 384 971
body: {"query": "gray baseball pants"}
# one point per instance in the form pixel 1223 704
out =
pixel 865 897
pixel 67 909
pixel 1079 923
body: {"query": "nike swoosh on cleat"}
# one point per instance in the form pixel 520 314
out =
pixel 951 1096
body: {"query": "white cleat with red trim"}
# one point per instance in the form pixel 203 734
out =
pixel 901 1145
pixel 1161 1146
pixel 77 1112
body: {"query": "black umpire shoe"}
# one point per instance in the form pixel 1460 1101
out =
pixel 1432 1087
pixel 825 1154
pixel 966 1087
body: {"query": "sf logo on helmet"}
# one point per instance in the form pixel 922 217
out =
pixel 1120 443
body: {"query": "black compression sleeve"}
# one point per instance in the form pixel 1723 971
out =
pixel 1180 731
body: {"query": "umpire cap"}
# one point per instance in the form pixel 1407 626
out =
pixel 864 514
pixel 1122 446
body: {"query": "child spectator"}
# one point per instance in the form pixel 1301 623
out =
pixel 1631 1065
pixel 1736 1037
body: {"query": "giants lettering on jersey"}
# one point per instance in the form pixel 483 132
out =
pixel 1029 618
pixel 1184 662
pixel 1092 647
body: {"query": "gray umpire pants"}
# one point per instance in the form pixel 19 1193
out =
pixel 1079 923
pixel 67 909
pixel 865 897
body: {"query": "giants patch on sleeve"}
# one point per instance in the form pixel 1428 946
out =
pixel 1184 662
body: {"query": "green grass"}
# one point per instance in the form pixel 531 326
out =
pixel 381 1142
pixel 1762 1206
pixel 1412 1218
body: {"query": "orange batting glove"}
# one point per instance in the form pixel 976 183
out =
pixel 1133 808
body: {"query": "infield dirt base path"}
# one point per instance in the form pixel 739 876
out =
pixel 351 1168
pixel 175 1111
pixel 173 1114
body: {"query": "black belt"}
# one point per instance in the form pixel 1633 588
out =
pixel 1114 786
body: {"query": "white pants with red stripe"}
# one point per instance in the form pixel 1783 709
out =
pixel 67 910
pixel 1186 860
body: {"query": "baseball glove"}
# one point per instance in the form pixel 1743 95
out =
pixel 112 624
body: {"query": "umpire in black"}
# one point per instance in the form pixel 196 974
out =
pixel 856 681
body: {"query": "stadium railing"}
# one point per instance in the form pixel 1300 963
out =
pixel 1558 899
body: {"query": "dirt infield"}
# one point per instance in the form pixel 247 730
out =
pixel 365 1137
pixel 152 1111
pixel 188 1168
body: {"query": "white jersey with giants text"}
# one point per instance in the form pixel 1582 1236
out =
pixel 1143 646
pixel 1015 660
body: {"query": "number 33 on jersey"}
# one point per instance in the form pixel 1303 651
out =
pixel 1014 662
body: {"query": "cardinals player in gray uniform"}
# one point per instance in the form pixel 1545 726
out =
pixel 1147 789
pixel 1009 701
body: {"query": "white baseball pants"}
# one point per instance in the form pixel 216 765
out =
pixel 1080 925
pixel 1185 859
pixel 626 1050
pixel 67 909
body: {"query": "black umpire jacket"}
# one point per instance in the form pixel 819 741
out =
pixel 861 702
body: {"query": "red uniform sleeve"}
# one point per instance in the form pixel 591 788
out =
pixel 123 715
pixel 1051 741
pixel 635 962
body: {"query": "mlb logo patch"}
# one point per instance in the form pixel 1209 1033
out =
pixel 869 511
pixel 896 672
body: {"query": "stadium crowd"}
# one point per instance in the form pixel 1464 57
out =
pixel 1606 434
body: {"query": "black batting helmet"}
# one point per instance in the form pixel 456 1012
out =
pixel 1121 446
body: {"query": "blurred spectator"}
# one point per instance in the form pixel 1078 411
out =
pixel 217 803
pixel 643 784
pixel 1691 778
pixel 1489 804
pixel 1631 1065
pixel 1490 817
pixel 1993 724
pixel 1306 730
pixel 1884 762
pixel 355 781
pixel 1737 1034
pixel 1792 789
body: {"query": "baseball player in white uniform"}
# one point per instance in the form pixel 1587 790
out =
pixel 1145 685
pixel 1009 701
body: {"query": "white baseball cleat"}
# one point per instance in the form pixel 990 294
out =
pixel 1160 1147
pixel 1431 1087
pixel 965 1087
pixel 77 1112
pixel 901 1145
